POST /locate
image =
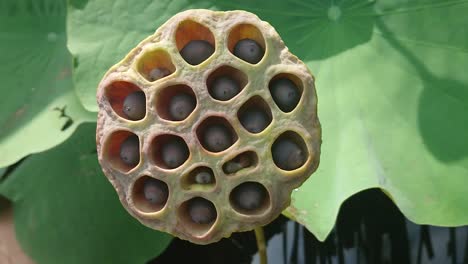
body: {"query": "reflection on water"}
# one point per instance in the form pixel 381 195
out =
pixel 369 229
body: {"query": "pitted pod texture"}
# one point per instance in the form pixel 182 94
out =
pixel 227 128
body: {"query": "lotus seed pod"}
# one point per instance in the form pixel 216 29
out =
pixel 230 127
pixel 134 105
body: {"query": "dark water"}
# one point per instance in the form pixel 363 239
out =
pixel 370 229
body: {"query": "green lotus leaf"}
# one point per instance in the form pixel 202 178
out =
pixel 39 108
pixel 67 212
pixel 392 92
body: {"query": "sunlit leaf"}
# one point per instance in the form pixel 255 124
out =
pixel 35 79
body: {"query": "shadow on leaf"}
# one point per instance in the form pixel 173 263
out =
pixel 443 111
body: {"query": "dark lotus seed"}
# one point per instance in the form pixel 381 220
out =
pixel 204 177
pixel 158 73
pixel 201 211
pixel 174 153
pixel 287 154
pixel 249 196
pixel 254 120
pixel 180 106
pixel 285 94
pixel 248 50
pixel 130 151
pixel 134 105
pixel 217 138
pixel 196 51
pixel 224 88
pixel 232 167
pixel 155 191
pixel 238 163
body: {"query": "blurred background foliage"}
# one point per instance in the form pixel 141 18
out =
pixel 393 103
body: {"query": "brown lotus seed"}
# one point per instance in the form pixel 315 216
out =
pixel 174 152
pixel 201 211
pixel 249 196
pixel 130 151
pixel 204 177
pixel 217 138
pixel 197 51
pixel 155 191
pixel 158 73
pixel 134 105
pixel 181 106
pixel 249 50
pixel 287 154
